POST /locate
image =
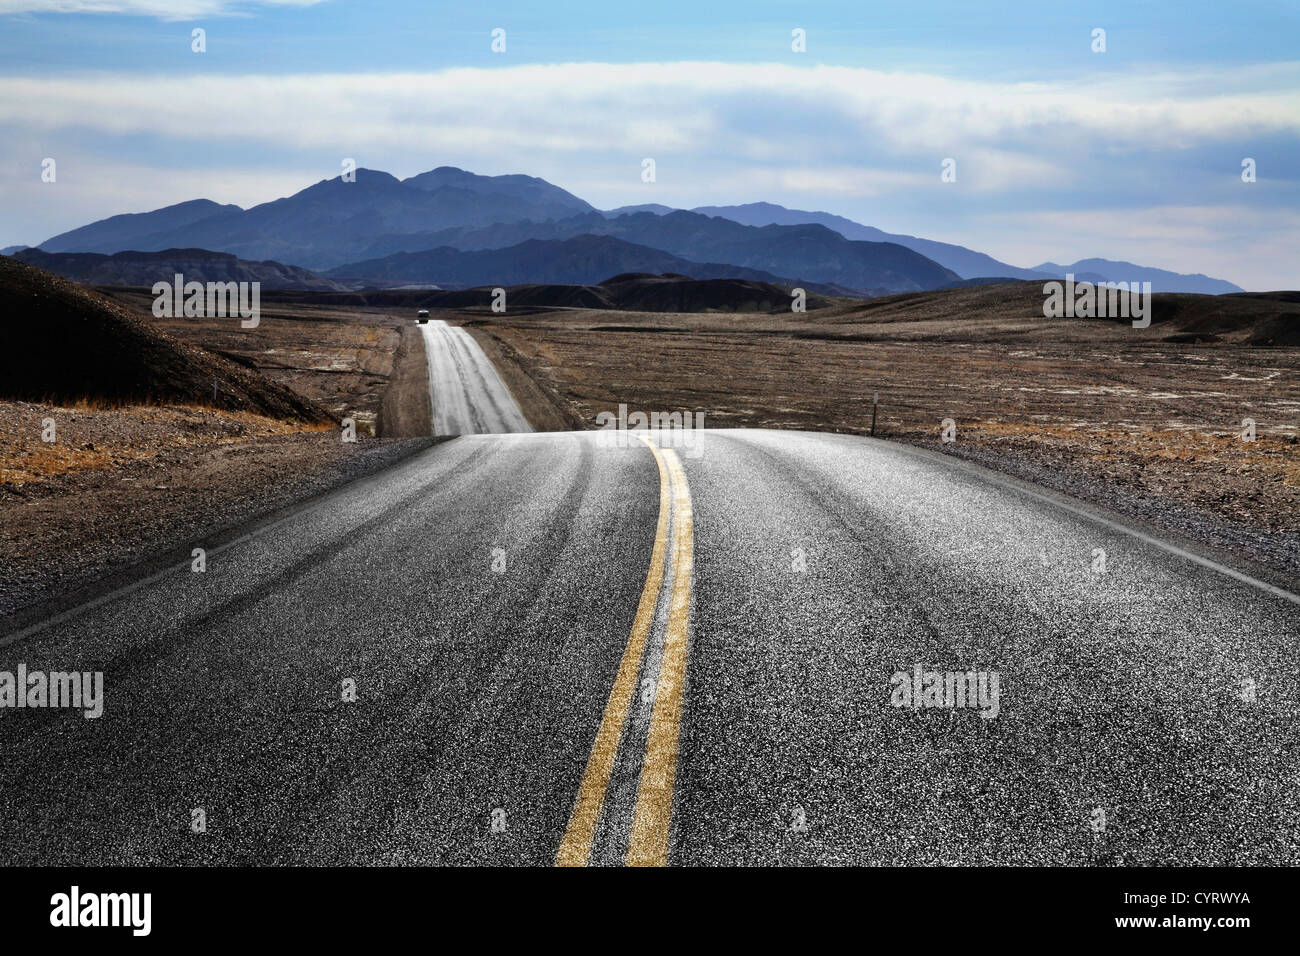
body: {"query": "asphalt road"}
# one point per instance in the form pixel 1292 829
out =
pixel 468 395
pixel 567 651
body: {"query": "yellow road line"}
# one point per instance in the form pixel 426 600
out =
pixel 575 848
pixel 648 845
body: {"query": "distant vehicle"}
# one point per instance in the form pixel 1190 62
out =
pixel 422 316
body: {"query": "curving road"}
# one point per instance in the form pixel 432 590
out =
pixel 467 394
pixel 567 650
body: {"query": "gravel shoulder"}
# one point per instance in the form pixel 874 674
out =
pixel 1270 554
pixel 406 410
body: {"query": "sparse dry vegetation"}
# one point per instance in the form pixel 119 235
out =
pixel 340 358
pixel 1256 483
pixel 93 435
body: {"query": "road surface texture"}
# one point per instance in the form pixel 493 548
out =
pixel 468 395
pixel 554 648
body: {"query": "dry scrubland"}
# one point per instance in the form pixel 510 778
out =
pixel 148 483
pixel 154 461
pixel 94 437
pixel 343 359
pixel 1144 421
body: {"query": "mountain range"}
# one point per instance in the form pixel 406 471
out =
pixel 970 264
pixel 146 268
pixel 580 260
pixel 628 292
pixel 327 224
pixel 412 229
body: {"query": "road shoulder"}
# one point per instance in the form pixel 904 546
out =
pixel 406 411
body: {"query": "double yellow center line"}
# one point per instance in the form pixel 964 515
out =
pixel 652 817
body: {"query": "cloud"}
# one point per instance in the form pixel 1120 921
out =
pixel 1233 240
pixel 864 143
pixel 160 9
pixel 768 109
pixel 88 188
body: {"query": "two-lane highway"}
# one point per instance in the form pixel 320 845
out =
pixel 542 648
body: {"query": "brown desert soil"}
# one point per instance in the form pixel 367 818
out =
pixel 61 342
pixel 343 358
pixel 405 409
pixel 125 486
pixel 1145 423
pixel 143 485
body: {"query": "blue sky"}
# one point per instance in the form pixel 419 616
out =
pixel 1062 153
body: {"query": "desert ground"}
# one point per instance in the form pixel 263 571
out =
pixel 146 481
pixel 343 358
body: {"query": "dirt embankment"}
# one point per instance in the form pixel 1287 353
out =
pixel 365 364
pixel 127 440
pixel 60 342
pixel 406 410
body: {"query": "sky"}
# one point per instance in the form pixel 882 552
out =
pixel 1061 152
